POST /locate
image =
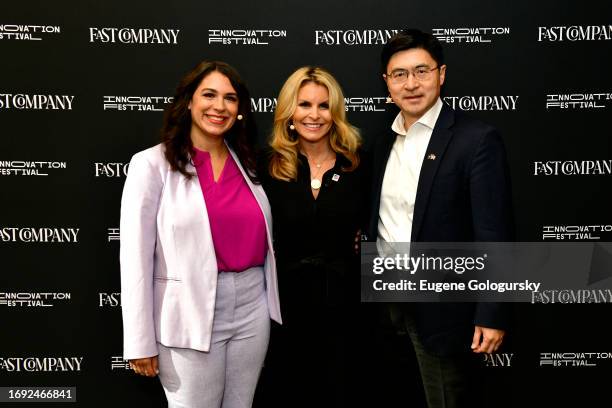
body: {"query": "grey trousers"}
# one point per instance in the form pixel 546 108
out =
pixel 227 375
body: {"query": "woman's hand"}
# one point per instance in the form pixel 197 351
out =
pixel 145 366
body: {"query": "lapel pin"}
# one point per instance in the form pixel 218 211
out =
pixel 336 177
pixel 431 156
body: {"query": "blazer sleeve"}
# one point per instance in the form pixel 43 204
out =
pixel 139 205
pixel 490 194
pixel 490 191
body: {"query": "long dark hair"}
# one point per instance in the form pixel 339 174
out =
pixel 176 127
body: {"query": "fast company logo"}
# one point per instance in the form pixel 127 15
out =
pixel 571 296
pixel 498 359
pixel 111 169
pixel 106 299
pixel 22 101
pixel 41 364
pixel 127 35
pixel 575 33
pixel 353 37
pixel 572 168
pixel 39 234
pixel 263 105
pixel 483 102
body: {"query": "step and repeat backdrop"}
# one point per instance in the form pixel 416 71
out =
pixel 83 86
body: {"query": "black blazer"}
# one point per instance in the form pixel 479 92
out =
pixel 463 195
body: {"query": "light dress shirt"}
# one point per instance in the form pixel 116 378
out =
pixel 401 178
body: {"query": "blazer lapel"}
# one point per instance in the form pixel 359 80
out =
pixel 433 155
pixel 196 202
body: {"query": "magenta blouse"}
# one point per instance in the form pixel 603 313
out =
pixel 237 224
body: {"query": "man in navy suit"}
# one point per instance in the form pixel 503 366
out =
pixel 440 176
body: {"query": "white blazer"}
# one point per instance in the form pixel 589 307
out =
pixel 168 263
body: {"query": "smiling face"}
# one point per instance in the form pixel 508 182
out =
pixel 312 118
pixel 214 107
pixel 415 97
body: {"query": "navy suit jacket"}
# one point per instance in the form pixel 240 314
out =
pixel 463 195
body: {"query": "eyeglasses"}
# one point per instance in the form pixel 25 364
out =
pixel 399 76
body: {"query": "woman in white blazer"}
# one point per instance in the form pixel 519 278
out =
pixel 198 275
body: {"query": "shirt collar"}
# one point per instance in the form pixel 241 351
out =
pixel 428 119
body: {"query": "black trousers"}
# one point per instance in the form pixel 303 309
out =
pixel 448 382
pixel 309 356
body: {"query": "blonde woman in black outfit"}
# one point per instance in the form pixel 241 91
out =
pixel 316 187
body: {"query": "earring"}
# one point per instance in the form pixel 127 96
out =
pixel 292 127
pixel 239 117
pixel 389 100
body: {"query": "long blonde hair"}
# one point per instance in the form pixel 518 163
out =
pixel 343 137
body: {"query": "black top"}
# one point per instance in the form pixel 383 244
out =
pixel 309 230
pixel 318 280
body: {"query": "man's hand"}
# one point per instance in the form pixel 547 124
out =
pixel 145 366
pixel 487 340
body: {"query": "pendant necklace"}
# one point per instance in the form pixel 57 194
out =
pixel 315 181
